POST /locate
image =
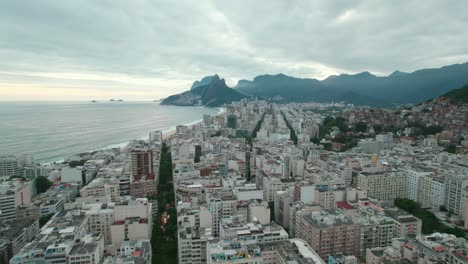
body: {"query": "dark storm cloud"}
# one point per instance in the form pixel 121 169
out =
pixel 168 44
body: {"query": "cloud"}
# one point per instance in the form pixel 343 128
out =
pixel 151 49
pixel 346 16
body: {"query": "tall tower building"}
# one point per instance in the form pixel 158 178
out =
pixel 142 164
pixel 197 153
pixel 232 121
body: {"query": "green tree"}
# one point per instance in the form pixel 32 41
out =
pixel 164 240
pixel 451 149
pixel 360 127
pixel 315 140
pixel 377 129
pixel 42 184
pixel 292 132
pixel 327 146
pixel 430 223
pixel 44 219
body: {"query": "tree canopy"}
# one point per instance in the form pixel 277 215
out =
pixel 42 184
pixel 430 223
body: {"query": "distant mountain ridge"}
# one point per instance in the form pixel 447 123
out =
pixel 362 88
pixel 210 91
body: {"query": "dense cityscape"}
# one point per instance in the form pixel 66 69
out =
pixel 233 132
pixel 258 183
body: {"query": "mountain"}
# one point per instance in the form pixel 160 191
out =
pixel 361 89
pixel 206 80
pixel 458 96
pixel 210 91
pixel 397 73
pixel 306 90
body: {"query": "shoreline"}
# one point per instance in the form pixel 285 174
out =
pixel 167 133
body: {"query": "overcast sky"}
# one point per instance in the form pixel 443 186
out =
pixel 145 50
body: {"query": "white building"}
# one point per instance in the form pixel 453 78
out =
pixel 454 186
pixel 221 206
pixel 259 212
pixel 56 242
pixel 270 187
pixel 385 139
pixel 72 174
pixel 8 167
pixel 88 251
pixel 13 195
pixel 192 243
pixel 250 192
pixel 100 219
pixel 131 229
pixel 413 178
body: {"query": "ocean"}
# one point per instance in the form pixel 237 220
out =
pixel 53 131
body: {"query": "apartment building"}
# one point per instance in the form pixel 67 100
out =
pixel 8 167
pixel 100 219
pixel 221 205
pixel 329 232
pixel 435 248
pixel 192 243
pixel 13 195
pixel 296 213
pixel 385 186
pixel 283 201
pixel 431 192
pixel 102 187
pixel 406 224
pixel 237 228
pixel 19 233
pixel 89 250
pixel 56 240
pixel 131 228
pixel 271 185
pixel 142 163
pixel 454 190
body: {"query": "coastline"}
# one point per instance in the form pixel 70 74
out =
pixel 167 134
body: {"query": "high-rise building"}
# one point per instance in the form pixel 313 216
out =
pixel 197 153
pixel 232 121
pixel 143 182
pixel 11 197
pixel 24 160
pixel 142 164
pixel 454 186
pixel 282 201
pixel 296 213
pixel 7 207
pixel 192 245
pixel 383 186
pixel 385 139
pixel 221 205
pixel 328 232
pixel 8 166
